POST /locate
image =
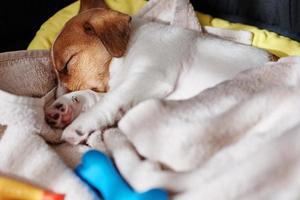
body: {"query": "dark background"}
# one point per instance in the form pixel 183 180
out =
pixel 280 16
pixel 20 19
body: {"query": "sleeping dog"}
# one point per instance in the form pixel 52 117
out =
pixel 132 60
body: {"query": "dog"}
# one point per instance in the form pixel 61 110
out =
pixel 132 60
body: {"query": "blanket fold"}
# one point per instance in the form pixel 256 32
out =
pixel 26 84
pixel 233 141
pixel 236 140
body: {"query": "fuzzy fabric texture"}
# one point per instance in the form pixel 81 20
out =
pixel 26 73
pixel 27 83
pixel 237 140
pixel 175 12
pixel 23 152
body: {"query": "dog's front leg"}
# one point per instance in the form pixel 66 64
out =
pixel 113 106
pixel 67 107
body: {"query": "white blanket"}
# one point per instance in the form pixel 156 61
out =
pixel 237 140
pixel 22 151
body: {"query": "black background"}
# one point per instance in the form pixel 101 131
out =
pixel 280 16
pixel 20 19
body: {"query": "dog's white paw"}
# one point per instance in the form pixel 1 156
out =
pixel 81 128
pixel 63 111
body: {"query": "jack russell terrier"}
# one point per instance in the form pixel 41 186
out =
pixel 132 60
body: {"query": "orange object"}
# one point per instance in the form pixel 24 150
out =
pixel 52 196
pixel 13 189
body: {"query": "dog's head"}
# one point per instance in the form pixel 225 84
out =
pixel 83 50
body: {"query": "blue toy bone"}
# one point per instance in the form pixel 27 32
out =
pixel 98 171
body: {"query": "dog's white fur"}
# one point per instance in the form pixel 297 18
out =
pixel 163 62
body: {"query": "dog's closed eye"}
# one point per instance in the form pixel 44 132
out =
pixel 88 28
pixel 65 68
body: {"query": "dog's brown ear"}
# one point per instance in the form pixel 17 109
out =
pixel 114 33
pixel 89 4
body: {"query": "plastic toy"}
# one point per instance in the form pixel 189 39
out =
pixel 98 171
pixel 19 190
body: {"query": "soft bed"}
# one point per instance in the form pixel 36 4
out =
pixel 256 158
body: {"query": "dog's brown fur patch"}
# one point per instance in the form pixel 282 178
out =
pixel 83 50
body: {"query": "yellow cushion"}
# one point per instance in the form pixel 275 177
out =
pixel 49 30
pixel 278 45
